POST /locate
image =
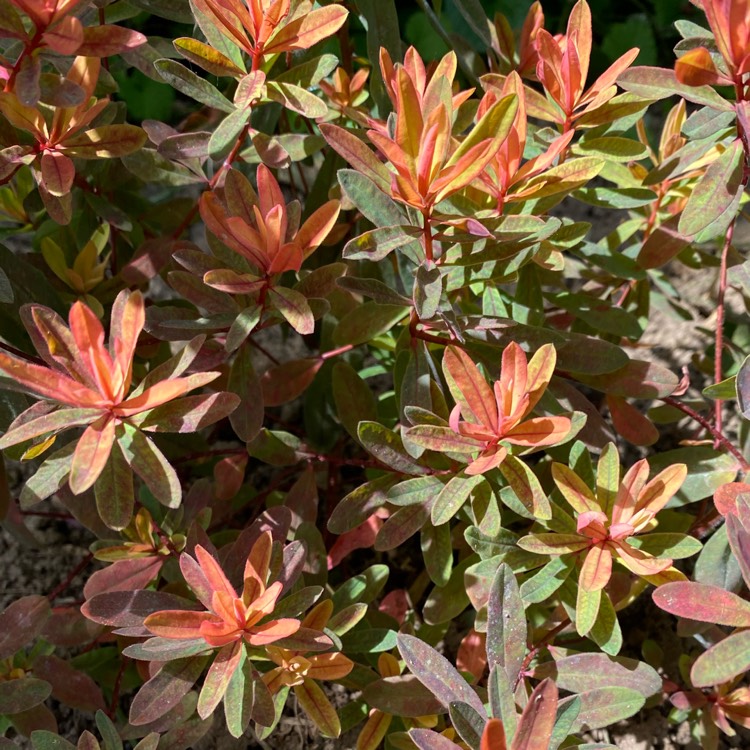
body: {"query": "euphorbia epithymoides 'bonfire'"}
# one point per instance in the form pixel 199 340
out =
pixel 263 229
pixel 491 419
pixel 263 28
pixel 229 617
pixel 430 163
pixel 563 66
pixel 69 135
pixel 608 519
pixel 86 383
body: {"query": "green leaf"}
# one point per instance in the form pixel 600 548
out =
pixel 362 588
pixel 675 546
pixel 742 384
pixel 659 83
pixel 309 73
pixel 467 722
pixel 49 477
pixel 602 707
pixel 715 200
pixel 23 694
pixel 113 489
pixel 612 148
pixel 295 309
pixel 296 98
pixel 356 507
pixel 526 487
pixel 387 447
pixel 151 465
pixel 378 243
pixel 453 496
pixel 726 389
pixel 437 552
pixel 355 402
pixel 548 580
pixel 506 624
pixel 587 609
pixel 369 196
pixel 314 703
pixel 192 85
pixel 723 661
pixel 365 322
pixel 382 32
pixel 41 739
pixel 707 471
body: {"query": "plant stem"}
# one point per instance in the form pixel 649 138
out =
pixel 719 437
pixel 71 577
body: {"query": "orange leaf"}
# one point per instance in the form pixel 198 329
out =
pixel 91 454
pixel 596 569
pixel 574 489
pixel 493 737
pixel 696 68
pixel 469 388
pixel 177 623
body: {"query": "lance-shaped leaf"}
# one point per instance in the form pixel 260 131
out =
pixel 437 674
pixel 699 601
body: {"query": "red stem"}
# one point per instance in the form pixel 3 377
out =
pixel 71 577
pixel 719 437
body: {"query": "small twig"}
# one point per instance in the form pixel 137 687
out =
pixel 71 577
pixel 719 437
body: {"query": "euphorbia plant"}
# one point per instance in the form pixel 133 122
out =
pixel 86 383
pixel 396 503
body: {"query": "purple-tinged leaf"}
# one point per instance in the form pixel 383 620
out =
pixel 124 575
pixel 69 685
pixel 388 448
pixel 739 542
pixel 166 689
pixel 714 201
pixel 305 639
pixel 659 83
pixel 436 673
pixel 191 413
pixel 360 504
pixel 702 602
pixel 426 739
pixel 582 672
pixel 123 609
pixel 602 707
pixel 400 526
pixel 722 662
pixel 467 722
pixel 166 649
pixel 247 419
pixel 21 622
pixel 294 308
pixel 403 695
pixel 217 679
pixel 637 379
pixel 22 694
pixel 287 381
pixel 538 719
pixel 506 624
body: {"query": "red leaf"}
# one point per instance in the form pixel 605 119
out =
pixel 287 381
pixel 105 40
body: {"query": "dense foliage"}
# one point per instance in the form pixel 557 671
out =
pixel 353 405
